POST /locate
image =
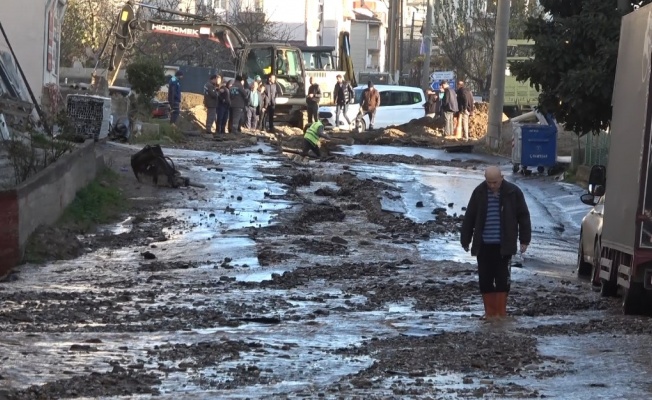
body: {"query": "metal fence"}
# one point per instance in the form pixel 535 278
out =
pixel 596 148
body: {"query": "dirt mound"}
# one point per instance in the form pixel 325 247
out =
pixel 477 124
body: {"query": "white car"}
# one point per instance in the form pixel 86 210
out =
pixel 589 249
pixel 398 105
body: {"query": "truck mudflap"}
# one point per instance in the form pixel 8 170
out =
pixel 647 279
pixel 624 274
pixel 605 268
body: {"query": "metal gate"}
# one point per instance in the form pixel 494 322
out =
pixel 596 148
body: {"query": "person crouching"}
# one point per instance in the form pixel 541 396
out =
pixel 312 133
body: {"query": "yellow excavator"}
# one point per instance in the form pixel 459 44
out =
pixel 250 59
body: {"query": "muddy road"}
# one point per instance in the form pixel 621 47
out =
pixel 341 279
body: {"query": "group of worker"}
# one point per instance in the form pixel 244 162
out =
pixel 235 104
pixel 456 106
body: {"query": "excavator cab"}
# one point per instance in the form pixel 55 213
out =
pixel 286 62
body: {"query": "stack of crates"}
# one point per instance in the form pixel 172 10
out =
pixel 89 115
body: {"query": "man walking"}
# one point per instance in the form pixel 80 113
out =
pixel 342 93
pixel 449 107
pixel 369 102
pixel 465 106
pixel 312 133
pixel 211 99
pixel 223 106
pixel 174 97
pixel 239 100
pixel 312 101
pixel 496 218
pixel 272 95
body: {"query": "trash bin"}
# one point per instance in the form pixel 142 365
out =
pixel 534 146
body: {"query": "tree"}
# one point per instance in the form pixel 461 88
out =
pixel 574 65
pixel 146 76
pixel 86 25
pixel 465 32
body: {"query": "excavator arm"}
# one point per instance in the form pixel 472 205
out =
pixel 128 23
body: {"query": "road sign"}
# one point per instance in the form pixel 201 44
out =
pixel 438 76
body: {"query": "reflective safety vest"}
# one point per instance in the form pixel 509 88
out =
pixel 311 134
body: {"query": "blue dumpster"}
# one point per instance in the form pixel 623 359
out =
pixel 538 146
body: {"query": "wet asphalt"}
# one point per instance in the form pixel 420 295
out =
pixel 217 223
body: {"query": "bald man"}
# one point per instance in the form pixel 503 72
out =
pixel 497 219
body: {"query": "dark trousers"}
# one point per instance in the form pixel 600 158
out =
pixel 175 110
pixel 222 117
pixel 494 273
pixel 313 112
pixel 211 117
pixel 262 119
pixel 236 118
pixel 270 117
pixel 372 117
pixel 307 146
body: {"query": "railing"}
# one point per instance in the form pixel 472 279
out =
pixel 596 148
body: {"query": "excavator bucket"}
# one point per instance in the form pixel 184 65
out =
pixel 345 61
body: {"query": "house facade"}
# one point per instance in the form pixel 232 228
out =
pixel 35 37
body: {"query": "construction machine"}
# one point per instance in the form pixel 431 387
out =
pixel 250 59
pixel 321 67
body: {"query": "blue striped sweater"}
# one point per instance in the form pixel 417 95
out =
pixel 491 233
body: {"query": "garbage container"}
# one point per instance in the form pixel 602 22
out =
pixel 534 146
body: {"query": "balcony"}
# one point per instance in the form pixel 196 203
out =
pixel 373 43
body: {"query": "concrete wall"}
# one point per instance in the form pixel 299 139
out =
pixel 41 200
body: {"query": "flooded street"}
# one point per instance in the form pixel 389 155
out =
pixel 340 279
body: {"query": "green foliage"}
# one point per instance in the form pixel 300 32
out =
pixel 85 27
pixel 146 76
pixel 97 203
pixel 574 65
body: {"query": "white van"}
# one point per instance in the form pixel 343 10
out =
pixel 398 105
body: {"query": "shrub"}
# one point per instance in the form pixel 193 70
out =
pixel 145 76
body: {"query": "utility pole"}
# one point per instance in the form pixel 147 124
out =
pixel 497 93
pixel 411 38
pixel 427 41
pixel 400 42
pixel 391 40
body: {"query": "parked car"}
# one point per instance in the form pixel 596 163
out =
pixel 398 105
pixel 589 249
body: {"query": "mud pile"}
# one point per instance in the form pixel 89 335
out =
pixel 435 126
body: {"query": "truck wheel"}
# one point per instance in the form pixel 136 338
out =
pixel 515 168
pixel 583 268
pixel 540 169
pixel 634 299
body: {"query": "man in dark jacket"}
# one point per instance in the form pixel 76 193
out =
pixel 174 97
pixel 272 90
pixel 342 96
pixel 449 107
pixel 312 101
pixel 223 106
pixel 211 99
pixel 496 218
pixel 465 106
pixel 239 100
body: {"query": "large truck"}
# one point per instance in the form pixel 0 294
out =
pixel 520 97
pixel 624 246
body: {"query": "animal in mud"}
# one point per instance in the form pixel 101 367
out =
pixel 150 161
